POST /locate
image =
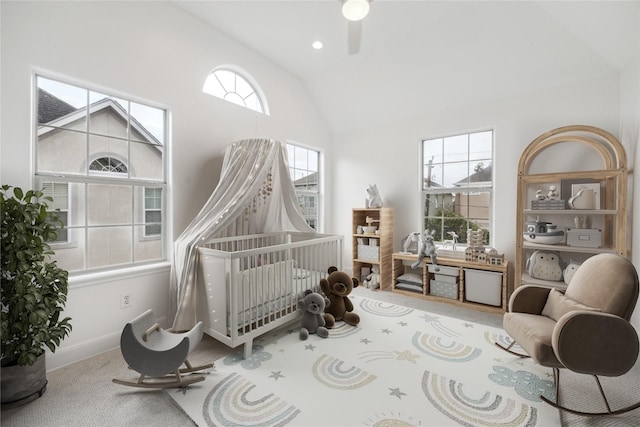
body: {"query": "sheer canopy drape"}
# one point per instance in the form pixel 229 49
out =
pixel 255 195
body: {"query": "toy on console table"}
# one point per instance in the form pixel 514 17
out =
pixel 475 247
pixel 427 248
pixel 410 242
pixel 453 241
pixel 312 306
pixel 337 286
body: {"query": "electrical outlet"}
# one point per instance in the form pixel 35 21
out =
pixel 125 300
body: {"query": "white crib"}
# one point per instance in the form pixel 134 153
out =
pixel 249 285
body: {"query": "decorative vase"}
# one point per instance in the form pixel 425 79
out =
pixel 584 199
pixel 23 384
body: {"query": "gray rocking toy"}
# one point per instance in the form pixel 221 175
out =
pixel 157 354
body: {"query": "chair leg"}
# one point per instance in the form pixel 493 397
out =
pixel 556 377
pixel 508 350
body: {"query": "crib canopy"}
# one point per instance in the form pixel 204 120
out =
pixel 255 195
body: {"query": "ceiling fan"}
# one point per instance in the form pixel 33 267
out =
pixel 354 11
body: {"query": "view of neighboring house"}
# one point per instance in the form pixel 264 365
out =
pixel 307 192
pixel 456 211
pixel 475 205
pixel 109 217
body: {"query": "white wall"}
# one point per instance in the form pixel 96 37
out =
pixel 364 157
pixel 156 52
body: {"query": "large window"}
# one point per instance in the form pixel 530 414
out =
pixel 231 85
pixel 304 166
pixel 457 185
pixel 102 159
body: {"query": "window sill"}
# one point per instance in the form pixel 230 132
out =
pixel 91 279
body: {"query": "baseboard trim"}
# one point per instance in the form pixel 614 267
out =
pixel 75 353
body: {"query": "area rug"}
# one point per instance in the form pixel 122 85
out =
pixel 398 367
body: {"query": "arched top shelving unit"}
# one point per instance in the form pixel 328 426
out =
pixel 609 217
pixel 604 143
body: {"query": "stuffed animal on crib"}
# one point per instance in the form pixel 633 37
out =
pixel 312 306
pixel 373 199
pixel 427 248
pixel 373 278
pixel 337 286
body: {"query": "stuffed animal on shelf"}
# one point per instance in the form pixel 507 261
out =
pixel 373 278
pixel 373 199
pixel 312 306
pixel 545 265
pixel 427 248
pixel 337 286
pixel 570 271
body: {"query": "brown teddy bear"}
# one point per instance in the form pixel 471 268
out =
pixel 337 286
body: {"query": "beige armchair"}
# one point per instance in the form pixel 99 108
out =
pixel 586 329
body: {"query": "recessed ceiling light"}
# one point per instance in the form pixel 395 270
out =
pixel 317 44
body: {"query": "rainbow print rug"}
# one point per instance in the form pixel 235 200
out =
pixel 398 367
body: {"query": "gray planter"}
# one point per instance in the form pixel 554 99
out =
pixel 23 384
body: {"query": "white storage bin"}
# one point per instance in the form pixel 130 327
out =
pixel 443 289
pixel 483 286
pixel 369 252
pixel 585 238
pixel 446 274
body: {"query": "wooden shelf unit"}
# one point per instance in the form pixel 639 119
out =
pixel 402 260
pixel 610 217
pixel 383 219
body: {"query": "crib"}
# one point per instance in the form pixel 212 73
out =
pixel 249 285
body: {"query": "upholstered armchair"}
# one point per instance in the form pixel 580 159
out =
pixel 585 329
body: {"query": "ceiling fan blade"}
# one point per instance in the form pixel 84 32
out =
pixel 354 37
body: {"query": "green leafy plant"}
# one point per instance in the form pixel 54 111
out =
pixel 34 288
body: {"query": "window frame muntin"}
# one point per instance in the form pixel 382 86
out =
pixel 88 178
pixel 320 220
pixel 467 190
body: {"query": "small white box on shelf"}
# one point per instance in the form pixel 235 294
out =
pixel 584 237
pixel 482 286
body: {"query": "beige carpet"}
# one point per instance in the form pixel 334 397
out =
pixel 83 394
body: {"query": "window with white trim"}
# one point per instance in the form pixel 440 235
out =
pixel 457 185
pixel 237 87
pixel 304 167
pixel 106 155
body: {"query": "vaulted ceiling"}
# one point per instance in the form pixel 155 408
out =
pixel 422 56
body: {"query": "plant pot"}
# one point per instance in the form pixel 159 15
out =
pixel 23 384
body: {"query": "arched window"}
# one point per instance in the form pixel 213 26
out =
pixel 235 86
pixel 108 165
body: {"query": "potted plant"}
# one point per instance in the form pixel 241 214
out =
pixel 34 293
